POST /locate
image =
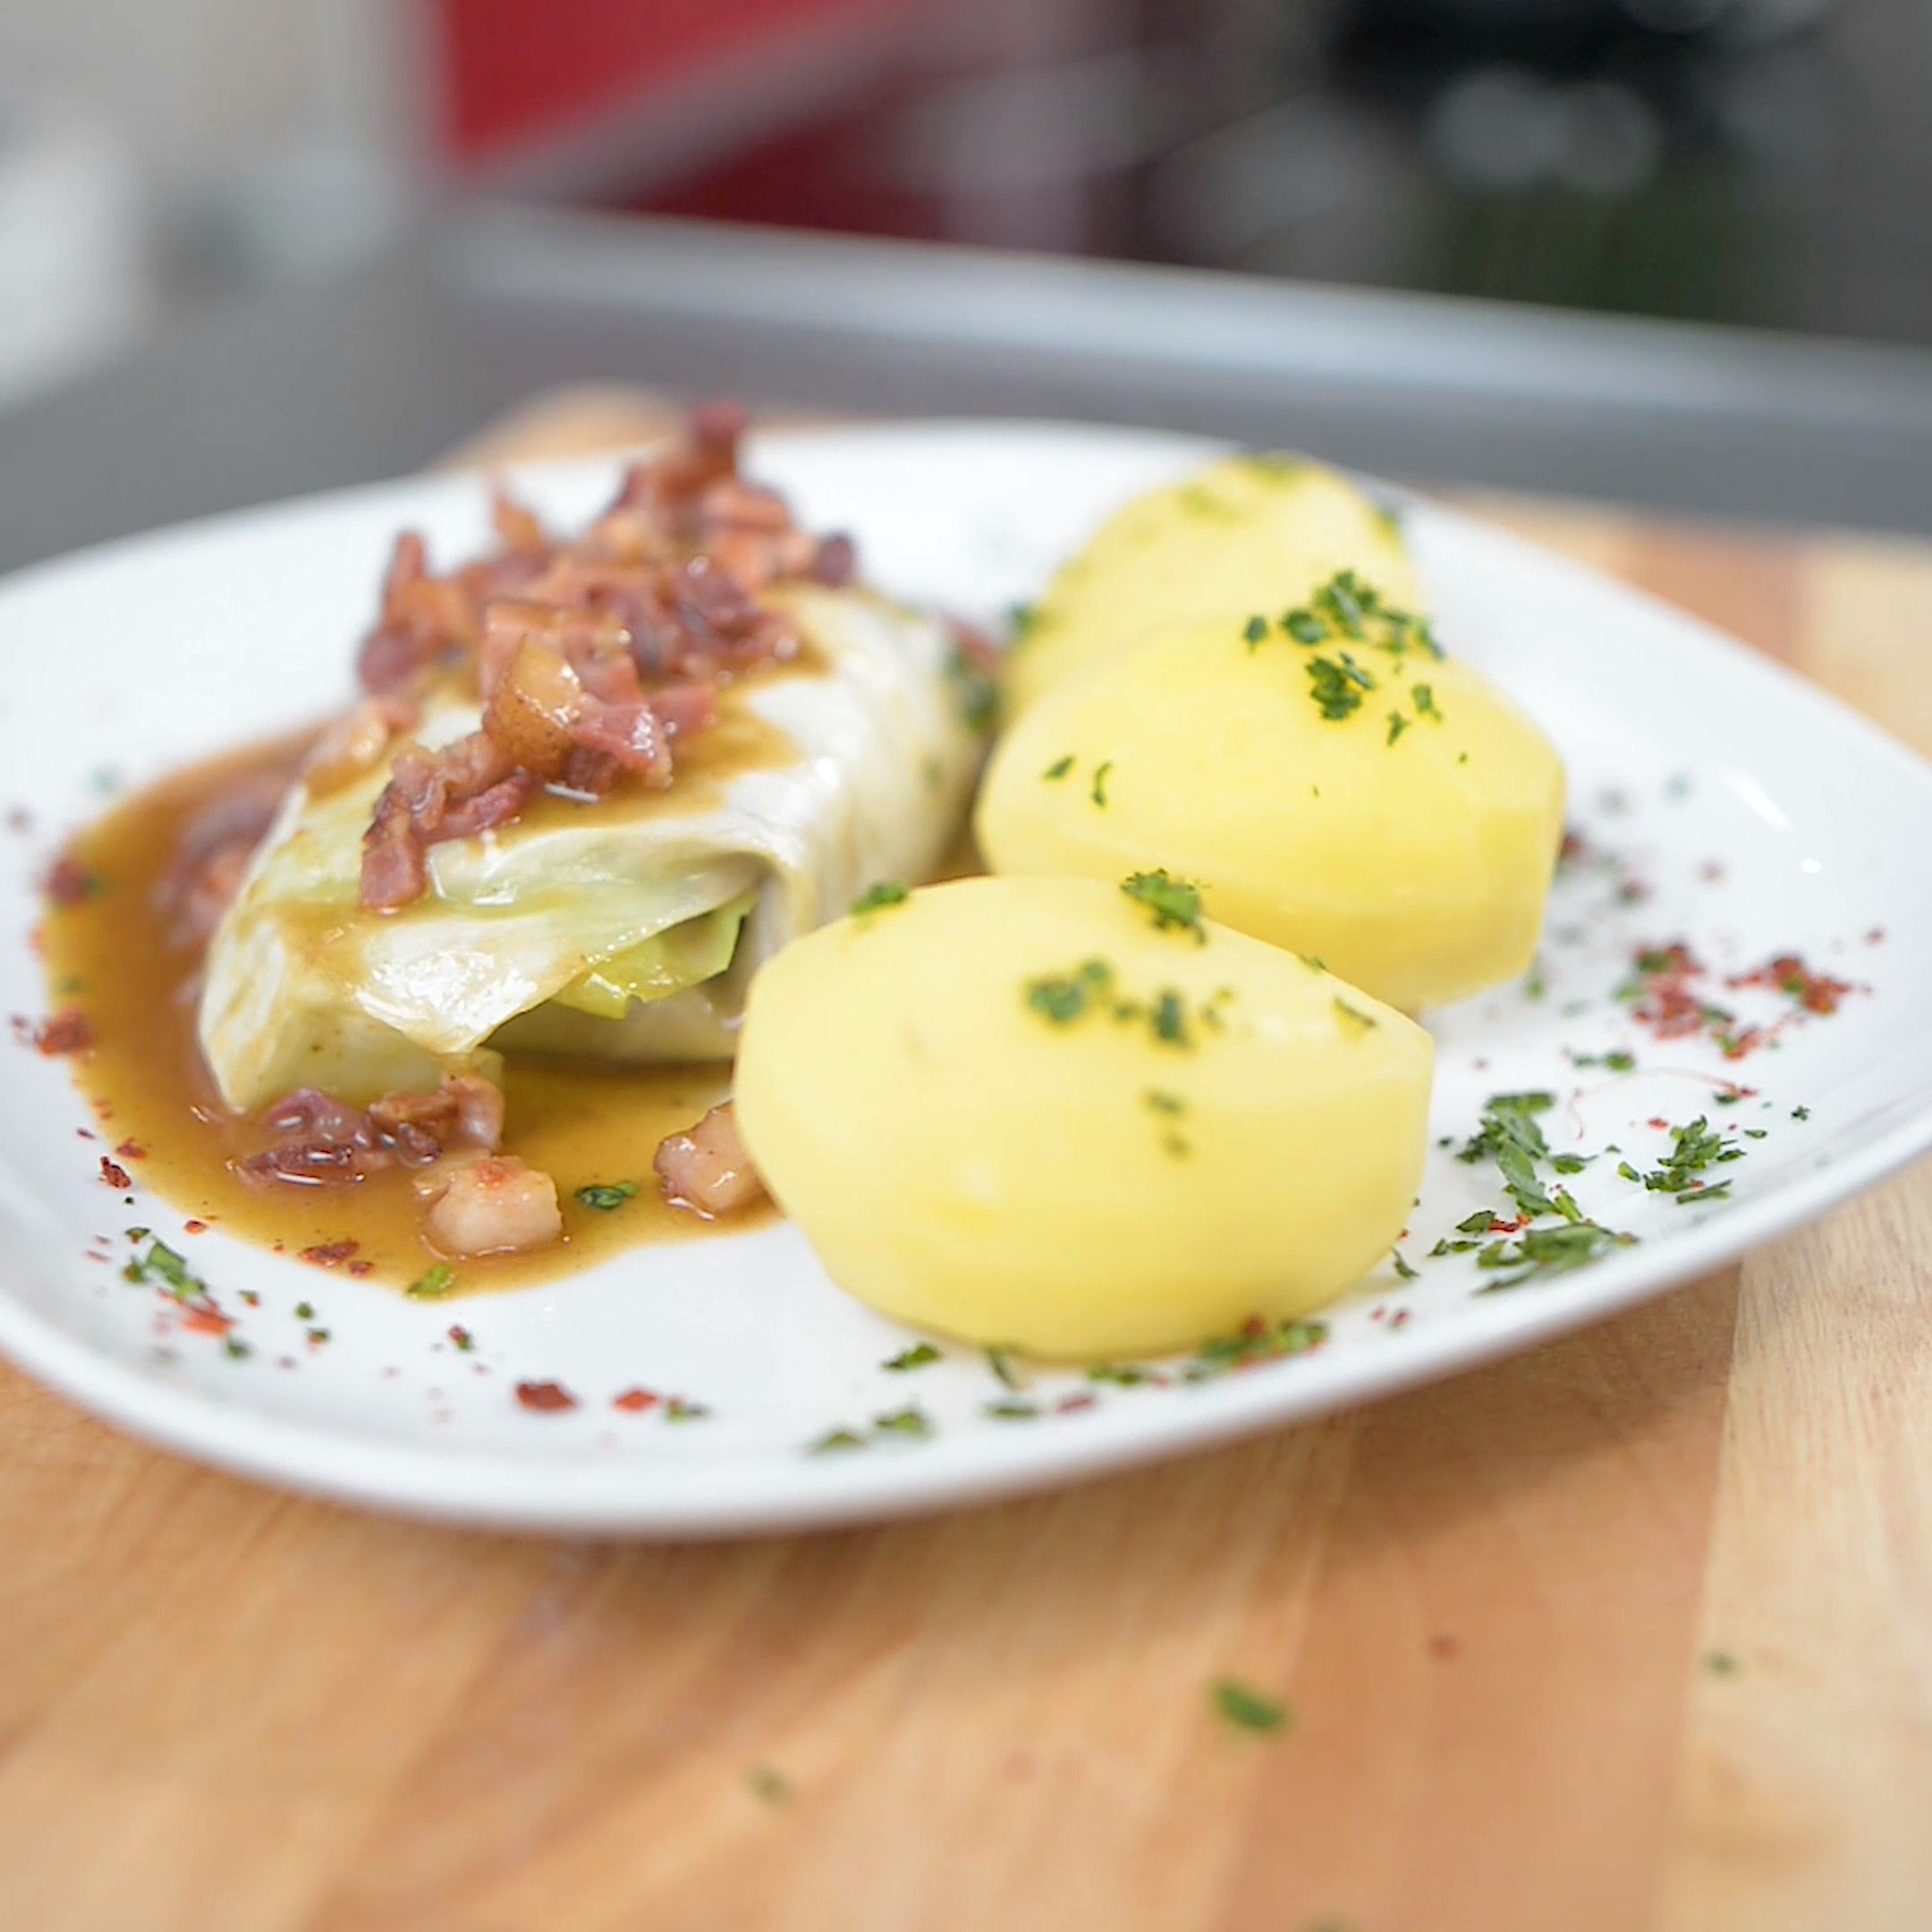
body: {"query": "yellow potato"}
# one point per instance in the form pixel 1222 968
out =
pixel 978 1138
pixel 1417 869
pixel 1253 533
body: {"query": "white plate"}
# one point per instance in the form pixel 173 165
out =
pixel 1757 816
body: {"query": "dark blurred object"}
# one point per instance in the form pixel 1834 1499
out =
pixel 1759 162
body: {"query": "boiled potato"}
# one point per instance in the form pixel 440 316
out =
pixel 1253 533
pixel 1405 834
pixel 1026 1113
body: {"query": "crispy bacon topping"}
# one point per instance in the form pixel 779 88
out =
pixel 212 858
pixel 592 657
pixel 318 1140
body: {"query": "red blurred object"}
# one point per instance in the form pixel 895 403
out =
pixel 513 72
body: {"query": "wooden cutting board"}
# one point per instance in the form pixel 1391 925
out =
pixel 1633 1631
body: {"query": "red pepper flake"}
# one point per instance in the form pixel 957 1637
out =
pixel 1400 1318
pixel 1711 871
pixel 19 820
pixel 546 1398
pixel 360 1269
pixel 93 1256
pixel 1875 936
pixel 251 1299
pixel 85 1133
pixel 194 1227
pixel 132 1150
pixel 329 1254
pixel 461 1337
pixel 1633 890
pixel 635 1400
pixel 71 883
pixel 1074 1404
pixel 114 1175
pixel 1253 1328
pixel 66 1032
pixel 1657 1121
pixel 206 1319
pixel 1815 992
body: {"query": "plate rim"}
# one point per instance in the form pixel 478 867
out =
pixel 583 1495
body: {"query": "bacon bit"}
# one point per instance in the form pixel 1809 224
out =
pixel 1875 936
pixel 329 1254
pixel 194 1227
pixel 319 1140
pixel 546 1398
pixel 579 647
pixel 707 1169
pixel 1073 1404
pixel 1658 1123
pixel 360 1269
pixel 495 1206
pixel 635 1400
pixel 212 855
pixel 461 1337
pixel 116 1176
pixel 70 883
pixel 1400 1318
pixel 19 820
pixel 132 1150
pixel 68 1033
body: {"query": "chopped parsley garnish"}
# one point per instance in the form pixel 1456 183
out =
pixel 1336 686
pixel 1249 1709
pixel 887 892
pixel 1538 1253
pixel 1304 627
pixel 1425 702
pixel 1402 1268
pixel 768 1786
pixel 912 1423
pixel 835 1440
pixel 1169 1020
pixel 1800 1113
pixel 1694 1150
pixel 1613 1063
pixel 1397 725
pixel 974 693
pixel 1255 631
pixel 1059 768
pixel 1022 620
pixel 1353 1019
pixel 604 1195
pixel 1257 1342
pixel 917 1356
pixel 1064 998
pixel 1509 1136
pixel 1013 1411
pixel 1164 1103
pixel 677 1410
pixel 432 1283
pixel 1098 793
pixel 1174 902
pixel 1003 1372
pixel 304 1311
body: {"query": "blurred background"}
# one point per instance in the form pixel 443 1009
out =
pixel 1757 164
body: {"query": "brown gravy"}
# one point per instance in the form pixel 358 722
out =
pixel 110 957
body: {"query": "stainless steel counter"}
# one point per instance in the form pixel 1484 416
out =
pixel 374 374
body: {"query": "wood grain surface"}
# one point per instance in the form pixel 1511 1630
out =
pixel 1635 1632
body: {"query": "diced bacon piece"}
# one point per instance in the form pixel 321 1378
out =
pixel 707 1169
pixel 495 1206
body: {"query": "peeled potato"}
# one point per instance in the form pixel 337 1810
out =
pixel 1253 533
pixel 980 1138
pixel 1417 869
